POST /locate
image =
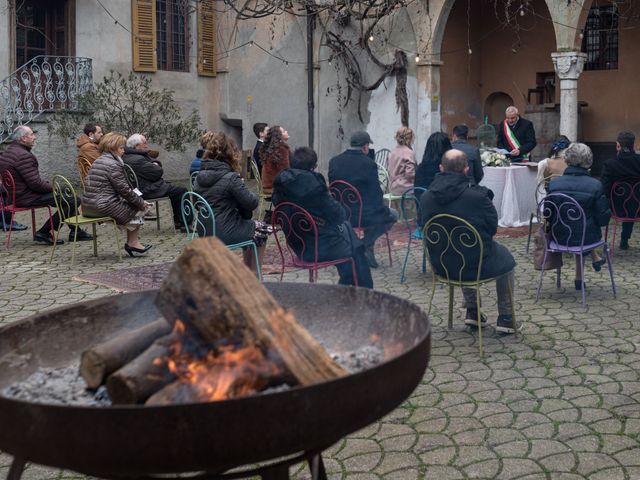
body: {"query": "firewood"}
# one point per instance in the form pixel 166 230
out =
pixel 210 289
pixel 143 376
pixel 101 360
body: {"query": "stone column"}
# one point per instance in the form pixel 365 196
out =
pixel 568 66
pixel 428 103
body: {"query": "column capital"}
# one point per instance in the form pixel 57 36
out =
pixel 568 65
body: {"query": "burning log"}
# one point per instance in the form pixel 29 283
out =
pixel 145 375
pixel 103 359
pixel 209 289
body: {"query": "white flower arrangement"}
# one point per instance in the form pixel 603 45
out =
pixel 494 159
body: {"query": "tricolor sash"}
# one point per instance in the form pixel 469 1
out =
pixel 511 138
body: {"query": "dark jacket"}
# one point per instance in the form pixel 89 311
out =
pixel 625 166
pixel 425 173
pixel 256 155
pixel 23 165
pixel 232 202
pixel 452 194
pixel 475 173
pixel 148 171
pixel 359 170
pixel 524 132
pixel 587 191
pixel 309 190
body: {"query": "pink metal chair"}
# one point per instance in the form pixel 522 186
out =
pixel 625 205
pixel 301 241
pixel 566 223
pixel 8 191
pixel 349 197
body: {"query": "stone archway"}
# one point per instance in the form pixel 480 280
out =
pixel 495 105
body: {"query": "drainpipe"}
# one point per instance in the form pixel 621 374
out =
pixel 311 22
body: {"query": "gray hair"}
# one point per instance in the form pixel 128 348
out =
pixel 578 155
pixel 20 132
pixel 511 109
pixel 135 139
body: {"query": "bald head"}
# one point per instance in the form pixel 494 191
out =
pixel 454 161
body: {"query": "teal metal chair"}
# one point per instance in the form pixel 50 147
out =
pixel 455 252
pixel 203 223
pixel 65 199
pixel 410 216
pixel 192 180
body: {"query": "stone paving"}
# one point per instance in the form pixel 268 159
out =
pixel 558 402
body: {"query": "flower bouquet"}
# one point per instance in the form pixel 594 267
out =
pixel 494 159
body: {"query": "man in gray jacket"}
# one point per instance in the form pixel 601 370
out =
pixel 459 142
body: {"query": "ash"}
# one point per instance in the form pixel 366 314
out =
pixel 361 359
pixel 61 386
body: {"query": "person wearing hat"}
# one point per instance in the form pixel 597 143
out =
pixel 356 167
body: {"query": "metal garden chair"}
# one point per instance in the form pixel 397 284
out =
pixel 541 191
pixel 625 205
pixel 455 253
pixel 8 191
pixel 203 223
pixel 349 197
pixel 408 199
pixel 65 198
pixel 192 180
pixel 382 158
pixel 301 241
pixel 84 165
pixel 566 224
pixel 385 185
pixel 133 181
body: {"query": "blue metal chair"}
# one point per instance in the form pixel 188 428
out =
pixel 203 223
pixel 565 226
pixel 409 198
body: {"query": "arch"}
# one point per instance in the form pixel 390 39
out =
pixel 494 106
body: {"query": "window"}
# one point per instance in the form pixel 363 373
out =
pixel 600 40
pixel 172 35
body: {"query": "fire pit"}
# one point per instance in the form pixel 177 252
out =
pixel 137 441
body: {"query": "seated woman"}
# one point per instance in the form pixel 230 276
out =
pixel 402 162
pixel 219 182
pixel 554 164
pixel 578 184
pixel 336 239
pixel 437 144
pixel 107 193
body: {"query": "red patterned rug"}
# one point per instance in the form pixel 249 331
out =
pixel 151 276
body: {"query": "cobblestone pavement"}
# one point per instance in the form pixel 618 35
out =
pixel 558 402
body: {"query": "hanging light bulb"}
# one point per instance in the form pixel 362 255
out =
pixel 581 34
pixel 371 38
pixel 417 57
pixel 251 43
pixel 521 11
pixel 470 51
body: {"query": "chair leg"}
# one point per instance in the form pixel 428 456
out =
pixel 613 242
pixel 73 247
pixel 33 228
pixel 584 296
pixel 117 235
pixel 406 258
pixel 558 278
pixel 258 269
pixel 158 215
pixel 541 277
pixel 389 249
pixel 608 256
pixel 354 272
pixel 479 322
pixel 529 235
pixel 95 239
pixel 56 234
pixel 433 292
pixel 513 310
pixel 450 306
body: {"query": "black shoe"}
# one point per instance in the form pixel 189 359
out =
pixel 371 258
pixel 505 324
pixel 81 237
pixel 46 238
pixel 472 318
pixel 624 244
pixel 578 284
pixel 132 250
pixel 597 266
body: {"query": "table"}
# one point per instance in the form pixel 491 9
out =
pixel 514 191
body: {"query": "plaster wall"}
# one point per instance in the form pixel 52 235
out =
pixel 5 39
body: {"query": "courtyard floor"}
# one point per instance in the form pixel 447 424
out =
pixel 558 402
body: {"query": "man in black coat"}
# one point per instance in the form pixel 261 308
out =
pixel 451 193
pixel 459 142
pixel 625 166
pixel 336 239
pixel 149 172
pixel 357 168
pixel 260 129
pixel 516 135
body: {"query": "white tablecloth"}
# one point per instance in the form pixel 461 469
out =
pixel 514 191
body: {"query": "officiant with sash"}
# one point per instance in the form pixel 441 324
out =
pixel 516 135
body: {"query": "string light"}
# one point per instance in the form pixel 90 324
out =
pixel 371 38
pixel 417 57
pixel 522 11
pixel 470 51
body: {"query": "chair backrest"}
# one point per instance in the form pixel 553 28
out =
pixel 382 157
pixel 8 189
pixel 455 248
pixel 625 199
pixel 130 175
pixel 541 187
pixel 64 196
pixel 299 229
pixel 407 199
pixel 486 135
pixel 349 197
pixel 84 165
pixel 192 180
pixel 383 178
pixel 256 175
pixel 196 208
pixel 564 219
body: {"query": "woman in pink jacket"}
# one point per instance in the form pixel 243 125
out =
pixel 402 162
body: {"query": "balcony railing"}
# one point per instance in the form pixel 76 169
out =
pixel 43 84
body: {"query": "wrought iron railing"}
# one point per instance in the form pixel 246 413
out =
pixel 43 84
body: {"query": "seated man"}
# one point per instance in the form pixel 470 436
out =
pixel 336 239
pixel 31 189
pixel 88 144
pixel 625 166
pixel 451 193
pixel 149 173
pixel 357 168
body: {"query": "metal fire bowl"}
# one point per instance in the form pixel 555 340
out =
pixel 213 437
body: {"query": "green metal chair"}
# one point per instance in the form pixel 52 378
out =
pixel 65 199
pixel 203 223
pixel 133 182
pixel 453 242
pixel 259 191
